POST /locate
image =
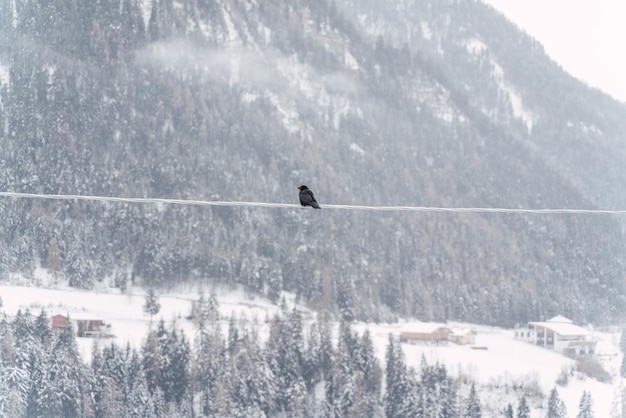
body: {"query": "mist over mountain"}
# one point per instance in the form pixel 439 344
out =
pixel 428 103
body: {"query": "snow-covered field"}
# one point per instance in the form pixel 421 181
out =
pixel 500 361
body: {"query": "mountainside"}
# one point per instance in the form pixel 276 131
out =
pixel 428 103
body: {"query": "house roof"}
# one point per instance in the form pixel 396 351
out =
pixel 560 319
pixel 80 316
pixel 562 328
pixel 424 328
pixel 462 331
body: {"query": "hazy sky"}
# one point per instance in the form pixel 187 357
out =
pixel 587 37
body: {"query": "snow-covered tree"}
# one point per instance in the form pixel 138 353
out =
pixel 62 374
pixel 153 361
pixel 472 407
pixel 523 411
pixel 401 396
pixel 151 305
pixel 439 395
pixel 556 407
pixel 175 370
pixel 585 408
pixel 508 411
pixel 208 368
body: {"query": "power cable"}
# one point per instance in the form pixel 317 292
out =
pixel 188 202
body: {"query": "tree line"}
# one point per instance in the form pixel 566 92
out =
pixel 301 368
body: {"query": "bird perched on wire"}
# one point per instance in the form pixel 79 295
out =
pixel 307 198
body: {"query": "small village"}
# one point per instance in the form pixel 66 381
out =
pixel 559 334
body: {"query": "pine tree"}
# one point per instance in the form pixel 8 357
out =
pixel 508 411
pixel 311 370
pixel 448 393
pixel 556 407
pixel 247 384
pixel 62 390
pixel 14 379
pixel 37 403
pixel 42 330
pixel 97 381
pixel 209 367
pixel 151 305
pixel 152 358
pixel 286 351
pixel 585 408
pixel 109 381
pixel 139 403
pixel 368 364
pixel 341 385
pixel 523 411
pixel 438 391
pixel 401 390
pixel 175 370
pixel 472 408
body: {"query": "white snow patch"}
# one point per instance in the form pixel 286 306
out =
pixel 356 149
pixel 475 46
pixel 248 98
pixel 146 9
pixel 297 74
pixel 4 75
pixel 289 116
pixel 427 33
pixel 233 36
pixel 342 108
pixel 350 61
pixel 517 104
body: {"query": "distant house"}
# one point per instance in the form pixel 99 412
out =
pixel 463 336
pixel 558 334
pixel 434 334
pixel 58 321
pixel 427 334
pixel 84 326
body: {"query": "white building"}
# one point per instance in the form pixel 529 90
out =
pixel 559 334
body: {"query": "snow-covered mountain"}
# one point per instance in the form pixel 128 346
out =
pixel 424 103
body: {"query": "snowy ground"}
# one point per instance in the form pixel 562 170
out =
pixel 501 361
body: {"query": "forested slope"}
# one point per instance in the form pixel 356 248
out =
pixel 244 101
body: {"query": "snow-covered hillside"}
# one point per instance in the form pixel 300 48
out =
pixel 500 364
pixel 431 103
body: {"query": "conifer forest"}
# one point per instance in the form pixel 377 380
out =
pixel 434 104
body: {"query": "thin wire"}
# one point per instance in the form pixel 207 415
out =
pixel 153 200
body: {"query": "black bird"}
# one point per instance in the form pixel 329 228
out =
pixel 307 198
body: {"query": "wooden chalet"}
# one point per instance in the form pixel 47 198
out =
pixel 427 334
pixel 84 326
